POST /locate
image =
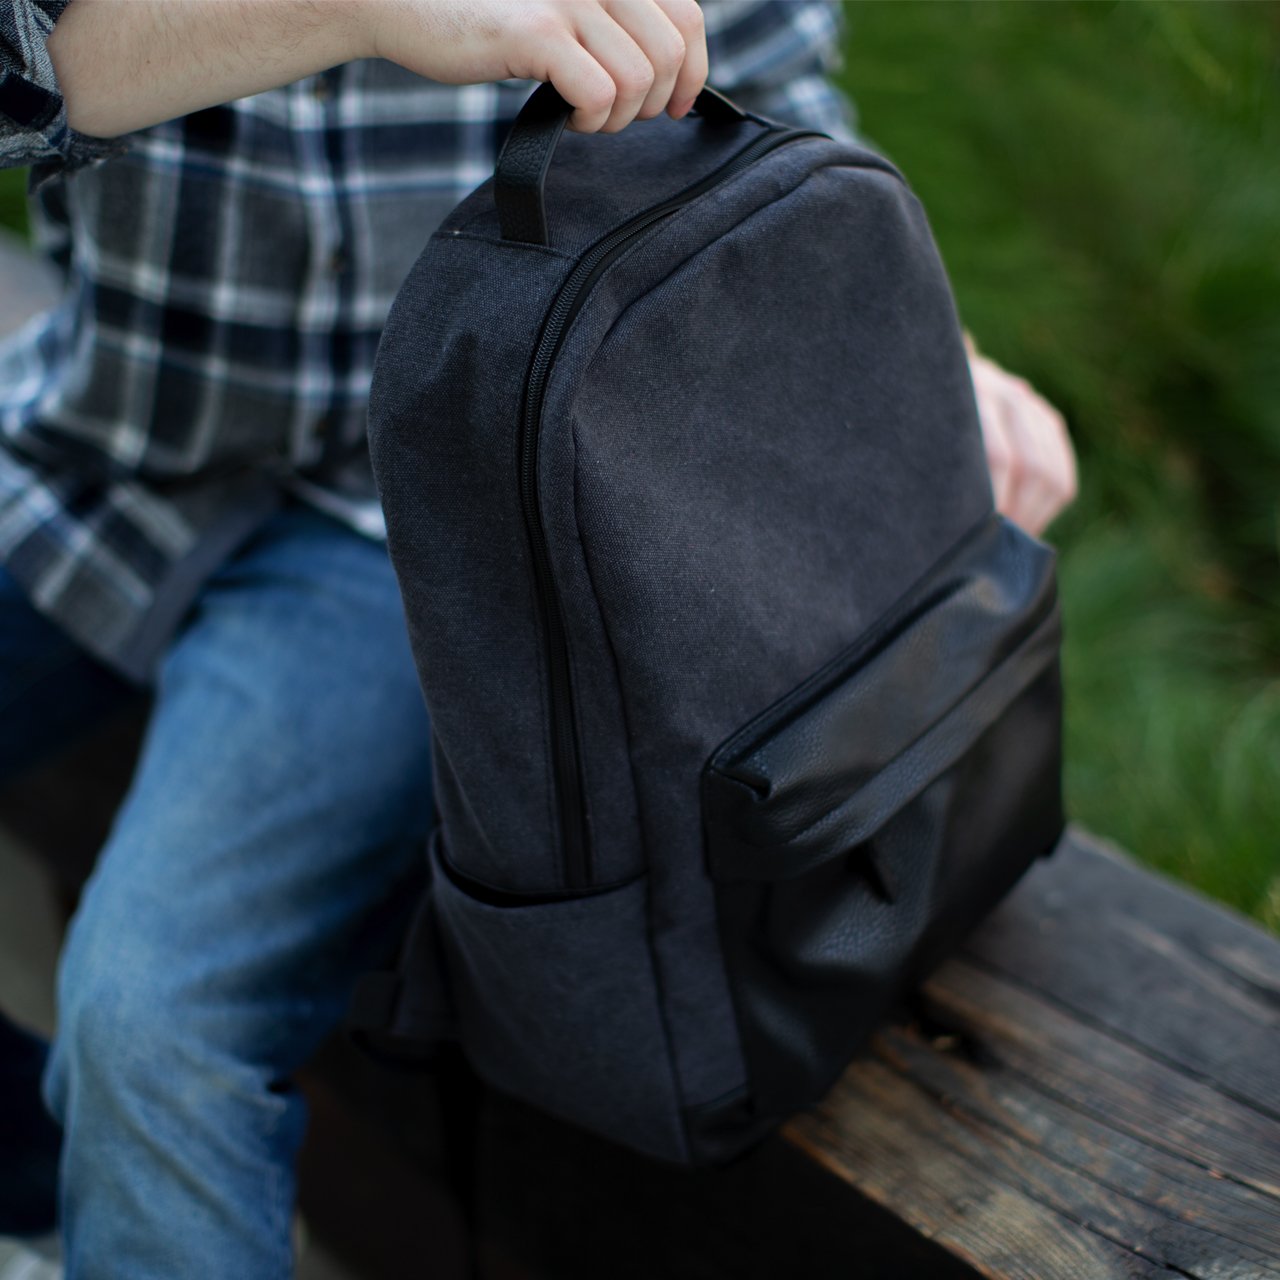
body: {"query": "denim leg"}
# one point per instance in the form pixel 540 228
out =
pixel 51 692
pixel 279 804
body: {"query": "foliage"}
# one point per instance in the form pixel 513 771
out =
pixel 13 187
pixel 1103 184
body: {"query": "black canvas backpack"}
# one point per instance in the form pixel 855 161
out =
pixel 746 705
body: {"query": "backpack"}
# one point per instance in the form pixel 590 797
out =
pixel 746 705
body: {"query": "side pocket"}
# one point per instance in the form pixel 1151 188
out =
pixel 557 1004
pixel 857 829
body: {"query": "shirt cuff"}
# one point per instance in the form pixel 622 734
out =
pixel 33 115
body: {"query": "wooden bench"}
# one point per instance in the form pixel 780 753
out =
pixel 1090 1089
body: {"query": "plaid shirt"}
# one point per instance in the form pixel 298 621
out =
pixel 227 277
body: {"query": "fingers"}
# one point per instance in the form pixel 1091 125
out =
pixel 627 59
pixel 661 46
pixel 686 17
pixel 1038 491
pixel 999 448
pixel 1029 453
pixel 613 61
pixel 624 61
pixel 581 81
pixel 1052 471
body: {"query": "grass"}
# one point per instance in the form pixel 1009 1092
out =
pixel 13 208
pixel 1101 178
pixel 1102 181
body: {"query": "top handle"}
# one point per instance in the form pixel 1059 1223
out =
pixel 520 177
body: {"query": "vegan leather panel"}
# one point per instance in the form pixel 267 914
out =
pixel 841 754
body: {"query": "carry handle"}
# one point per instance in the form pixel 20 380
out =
pixel 520 178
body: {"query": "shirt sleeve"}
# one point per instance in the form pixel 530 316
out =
pixel 33 116
pixel 776 57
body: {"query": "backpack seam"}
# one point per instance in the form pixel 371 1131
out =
pixel 494 242
pixel 684 262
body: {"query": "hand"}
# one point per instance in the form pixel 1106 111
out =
pixel 614 61
pixel 1029 454
pixel 127 64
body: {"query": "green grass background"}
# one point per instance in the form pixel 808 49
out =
pixel 1104 181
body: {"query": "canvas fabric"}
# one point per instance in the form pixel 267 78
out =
pixel 761 486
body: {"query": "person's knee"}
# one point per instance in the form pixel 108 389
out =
pixel 136 1037
pixel 108 1028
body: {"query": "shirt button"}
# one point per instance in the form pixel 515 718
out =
pixel 337 262
pixel 322 89
pixel 322 426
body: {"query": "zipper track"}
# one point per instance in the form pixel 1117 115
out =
pixel 565 751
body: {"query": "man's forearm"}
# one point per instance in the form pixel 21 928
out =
pixel 126 64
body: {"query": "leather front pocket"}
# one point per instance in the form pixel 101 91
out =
pixel 860 826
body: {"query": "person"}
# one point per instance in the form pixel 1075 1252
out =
pixel 233 190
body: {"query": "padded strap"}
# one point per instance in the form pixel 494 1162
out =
pixel 519 181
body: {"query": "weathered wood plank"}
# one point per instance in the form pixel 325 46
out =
pixel 1137 954
pixel 1103 1077
pixel 1053 1115
pixel 1118 1185
pixel 947 1179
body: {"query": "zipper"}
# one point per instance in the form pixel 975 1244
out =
pixel 565 752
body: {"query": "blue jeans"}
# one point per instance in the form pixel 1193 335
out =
pixel 280 801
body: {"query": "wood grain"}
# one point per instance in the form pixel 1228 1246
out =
pixel 1092 1090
